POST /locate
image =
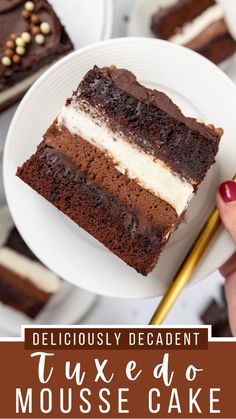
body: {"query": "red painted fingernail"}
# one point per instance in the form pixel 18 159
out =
pixel 228 191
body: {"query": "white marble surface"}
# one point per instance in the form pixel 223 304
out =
pixel 123 312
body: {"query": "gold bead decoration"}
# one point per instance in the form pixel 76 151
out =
pixel 13 36
pixel 35 30
pixel 6 61
pixel 16 59
pixel 29 6
pixel 26 14
pixel 35 20
pixel 45 28
pixel 9 53
pixel 40 39
pixel 20 50
pixel 26 37
pixel 10 44
pixel 20 42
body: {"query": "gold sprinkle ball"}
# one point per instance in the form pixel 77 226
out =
pixel 45 28
pixel 35 20
pixel 40 39
pixel 20 42
pixel 29 6
pixel 25 14
pixel 16 59
pixel 9 53
pixel 6 61
pixel 20 50
pixel 26 37
pixel 13 36
pixel 35 30
pixel 10 44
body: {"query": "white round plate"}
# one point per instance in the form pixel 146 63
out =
pixel 67 306
pixel 198 87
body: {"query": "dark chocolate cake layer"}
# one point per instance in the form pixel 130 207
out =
pixel 219 49
pixel 21 294
pixel 100 168
pixel 44 45
pixel 149 119
pixel 168 19
pixel 214 31
pixel 123 230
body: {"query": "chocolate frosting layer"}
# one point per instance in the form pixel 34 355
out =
pixel 12 21
pixel 6 5
pixel 149 120
pixel 127 81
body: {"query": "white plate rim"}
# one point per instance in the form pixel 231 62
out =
pixel 64 59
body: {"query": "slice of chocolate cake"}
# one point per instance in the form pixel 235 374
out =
pixel 25 284
pixel 199 25
pixel 31 38
pixel 123 162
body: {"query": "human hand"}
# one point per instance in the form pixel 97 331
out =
pixel 226 202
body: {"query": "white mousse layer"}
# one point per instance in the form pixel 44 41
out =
pixel 152 174
pixel 36 273
pixel 191 30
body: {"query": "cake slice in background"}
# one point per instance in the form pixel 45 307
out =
pixel 199 25
pixel 31 38
pixel 122 162
pixel 25 284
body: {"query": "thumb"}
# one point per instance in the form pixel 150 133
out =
pixel 226 202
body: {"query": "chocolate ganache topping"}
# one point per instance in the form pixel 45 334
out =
pixel 6 5
pixel 37 22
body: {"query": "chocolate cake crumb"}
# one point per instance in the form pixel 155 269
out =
pixel 216 315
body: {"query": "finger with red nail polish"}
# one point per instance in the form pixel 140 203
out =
pixel 226 202
pixel 228 191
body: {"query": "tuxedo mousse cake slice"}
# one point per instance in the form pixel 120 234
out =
pixel 199 25
pixel 122 162
pixel 25 284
